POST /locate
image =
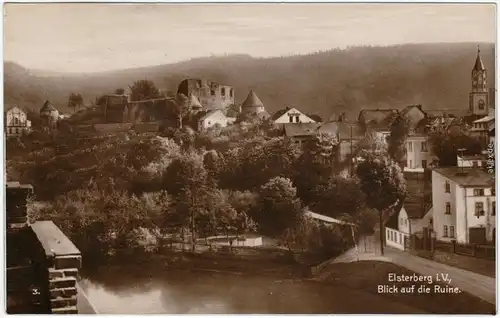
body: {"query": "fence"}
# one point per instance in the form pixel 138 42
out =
pixel 473 250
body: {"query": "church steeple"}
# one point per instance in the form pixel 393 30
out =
pixel 478 98
pixel 479 74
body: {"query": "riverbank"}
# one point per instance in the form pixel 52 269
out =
pixel 368 275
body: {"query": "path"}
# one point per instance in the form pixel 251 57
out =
pixel 481 286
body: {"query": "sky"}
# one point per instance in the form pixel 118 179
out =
pixel 95 37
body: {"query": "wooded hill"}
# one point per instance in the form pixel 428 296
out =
pixel 434 75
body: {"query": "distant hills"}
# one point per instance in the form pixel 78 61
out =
pixel 434 75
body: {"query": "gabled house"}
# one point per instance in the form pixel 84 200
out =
pixel 49 114
pixel 377 120
pixel 412 215
pixel 348 135
pixel 213 118
pixel 290 115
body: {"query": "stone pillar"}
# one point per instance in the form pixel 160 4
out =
pixel 16 205
pixel 63 261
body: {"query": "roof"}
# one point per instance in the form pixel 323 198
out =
pixel 280 113
pixel 210 113
pixel 252 101
pixel 118 127
pixel 471 177
pixel 194 102
pixel 342 129
pixel 300 129
pixel 479 66
pixel 327 219
pixel 446 112
pixel 416 203
pixel 375 114
pixel 485 119
pixel 47 107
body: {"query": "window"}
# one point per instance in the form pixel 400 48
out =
pixel 452 231
pixel 297 119
pixel 479 209
pixel 493 208
pixel 290 118
pixel 448 208
pixel 223 91
pixel 424 164
pixel 406 222
pixel 212 92
pixel 447 187
pixel 481 104
pixel 410 146
pixel 478 192
pixel 411 164
pixel 400 238
pixel 423 146
pixel 445 230
pixel 493 191
pixel 231 92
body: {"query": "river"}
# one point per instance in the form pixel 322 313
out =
pixel 173 291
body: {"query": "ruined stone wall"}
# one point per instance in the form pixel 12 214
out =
pixel 210 94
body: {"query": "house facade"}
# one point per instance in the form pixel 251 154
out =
pixel 464 205
pixel 418 153
pixel 16 122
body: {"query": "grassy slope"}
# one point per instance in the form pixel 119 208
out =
pixel 435 75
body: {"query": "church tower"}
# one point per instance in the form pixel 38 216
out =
pixel 478 98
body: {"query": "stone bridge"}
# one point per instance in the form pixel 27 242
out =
pixel 42 263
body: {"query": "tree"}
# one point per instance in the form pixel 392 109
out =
pixel 75 100
pixel 383 183
pixel 400 130
pixel 143 89
pixel 279 207
pixel 182 108
pixel 119 91
pixel 186 180
pixel 445 146
pixel 338 197
pixel 316 164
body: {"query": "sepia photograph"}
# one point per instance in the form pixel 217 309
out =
pixel 250 158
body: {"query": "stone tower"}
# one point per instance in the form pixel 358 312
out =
pixel 478 98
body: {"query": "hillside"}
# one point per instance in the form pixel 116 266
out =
pixel 434 75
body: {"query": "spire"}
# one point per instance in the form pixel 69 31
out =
pixel 479 66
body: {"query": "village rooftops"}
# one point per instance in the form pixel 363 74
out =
pixel 467 177
pixel 342 130
pixel 485 119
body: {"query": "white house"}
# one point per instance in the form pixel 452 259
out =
pixel 464 205
pixel 290 115
pixel 413 215
pixel 418 154
pixel 16 122
pixel 212 118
